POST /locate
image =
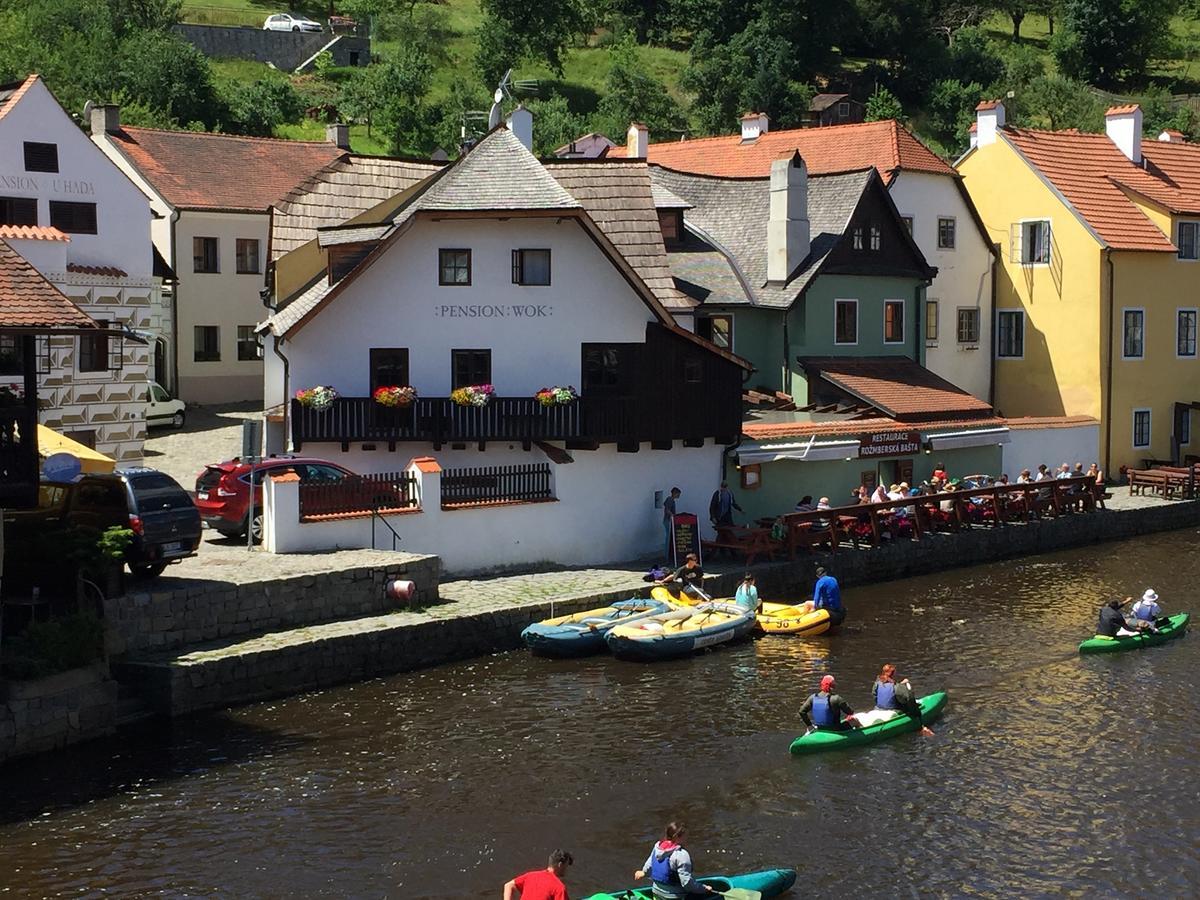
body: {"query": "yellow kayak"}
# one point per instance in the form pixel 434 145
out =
pixel 784 618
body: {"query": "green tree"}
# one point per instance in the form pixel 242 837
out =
pixel 258 108
pixel 1110 42
pixel 401 86
pixel 1160 113
pixel 974 58
pixel 882 105
pixel 517 30
pixel 1057 102
pixel 633 95
pixel 902 33
pixel 951 110
pixel 167 73
pixel 554 124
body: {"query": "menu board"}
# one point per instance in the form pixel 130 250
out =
pixel 685 537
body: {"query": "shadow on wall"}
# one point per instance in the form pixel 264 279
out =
pixel 1028 386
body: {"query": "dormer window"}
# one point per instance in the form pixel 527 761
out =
pixel 670 221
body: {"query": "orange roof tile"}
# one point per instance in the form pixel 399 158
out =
pixel 28 300
pixel 11 93
pixel 106 271
pixel 426 464
pixel 1123 110
pixel 1086 169
pixel 985 105
pixel 896 385
pixel 197 170
pixel 1052 422
pixel 766 430
pixel 837 148
pixel 33 233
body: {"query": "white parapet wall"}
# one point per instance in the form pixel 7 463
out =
pixel 604 510
pixel 1052 440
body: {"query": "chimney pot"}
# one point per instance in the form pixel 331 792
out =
pixel 989 119
pixel 106 119
pixel 1124 127
pixel 338 134
pixel 753 125
pixel 520 123
pixel 637 141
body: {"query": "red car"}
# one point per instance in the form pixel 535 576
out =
pixel 223 489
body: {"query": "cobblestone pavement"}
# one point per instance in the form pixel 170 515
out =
pixel 212 434
pixel 226 560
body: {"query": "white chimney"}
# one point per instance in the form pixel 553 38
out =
pixel 1171 136
pixel 1124 127
pixel 637 141
pixel 989 118
pixel 520 123
pixel 754 124
pixel 787 227
pixel 974 134
pixel 105 119
pixel 338 134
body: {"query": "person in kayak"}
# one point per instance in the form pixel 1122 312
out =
pixel 689 575
pixel 826 710
pixel 747 595
pixel 669 866
pixel 827 595
pixel 542 884
pixel 1146 612
pixel 1112 621
pixel 897 695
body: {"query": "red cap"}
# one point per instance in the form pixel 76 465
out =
pixel 826 682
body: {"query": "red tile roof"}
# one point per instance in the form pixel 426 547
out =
pixel 1124 110
pixel 879 424
pixel 1052 422
pixel 33 233
pixel 985 105
pixel 106 271
pixel 10 94
pixel 196 170
pixel 838 148
pixel 28 300
pixel 1087 169
pixel 896 385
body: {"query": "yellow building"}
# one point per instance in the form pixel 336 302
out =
pixel 1099 278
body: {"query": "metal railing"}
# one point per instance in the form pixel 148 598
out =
pixel 358 494
pixel 479 485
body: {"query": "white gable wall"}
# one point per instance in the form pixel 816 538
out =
pixel 534 333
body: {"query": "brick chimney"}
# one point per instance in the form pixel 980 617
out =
pixel 787 227
pixel 1124 127
pixel 989 118
pixel 338 134
pixel 106 119
pixel 637 141
pixel 753 125
pixel 520 123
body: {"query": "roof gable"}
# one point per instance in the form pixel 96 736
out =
pixel 898 253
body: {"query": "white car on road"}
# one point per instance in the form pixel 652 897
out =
pixel 162 408
pixel 291 22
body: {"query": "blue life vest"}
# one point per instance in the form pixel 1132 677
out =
pixel 661 869
pixel 1145 610
pixel 885 695
pixel 823 715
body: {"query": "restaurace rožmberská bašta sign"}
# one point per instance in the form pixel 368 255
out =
pixel 894 443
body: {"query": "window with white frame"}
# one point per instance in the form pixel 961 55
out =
pixel 893 321
pixel 845 324
pixel 1031 243
pixel 1010 333
pixel 931 320
pixel 1187 240
pixel 1133 334
pixel 1185 333
pixel 968 325
pixel 1141 428
pixel 856 237
pixel 946 232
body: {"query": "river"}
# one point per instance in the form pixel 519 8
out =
pixel 1049 774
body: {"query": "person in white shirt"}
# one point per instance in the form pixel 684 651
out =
pixel 1146 611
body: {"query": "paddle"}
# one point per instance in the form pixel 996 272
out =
pixel 740 894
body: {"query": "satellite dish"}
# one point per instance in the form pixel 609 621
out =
pixel 498 96
pixel 61 467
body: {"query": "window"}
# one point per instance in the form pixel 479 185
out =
pixel 968 325
pixel 73 218
pixel 946 235
pixel 208 343
pixel 249 345
pixel 158 394
pixel 876 237
pixel 86 436
pixel 531 267
pixel 693 371
pixel 843 110
pixel 856 237
pixel 18 211
pixel 669 222
pixel 1010 333
pixel 468 367
pixel 845 321
pixel 893 321
pixel 1141 428
pixel 1188 240
pixel 247 256
pixel 93 351
pixel 1133 342
pixel 1185 333
pixel 908 223
pixel 1035 243
pixel 12 356
pixel 718 329
pixel 454 267
pixel 389 367
pixel 204 255
pixel 931 320
pixel 1185 427
pixel 606 368
pixel 41 157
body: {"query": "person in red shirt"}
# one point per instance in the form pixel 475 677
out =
pixel 542 884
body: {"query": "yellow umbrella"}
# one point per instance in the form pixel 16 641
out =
pixel 51 442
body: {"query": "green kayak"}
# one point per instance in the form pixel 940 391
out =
pixel 1175 627
pixel 768 883
pixel 820 741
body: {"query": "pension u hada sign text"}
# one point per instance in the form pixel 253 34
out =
pixel 892 443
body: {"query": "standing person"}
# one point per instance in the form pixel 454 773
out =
pixel 722 505
pixel 747 595
pixel 542 884
pixel 689 575
pixel 669 515
pixel 825 710
pixel 669 866
pixel 892 694
pixel 827 594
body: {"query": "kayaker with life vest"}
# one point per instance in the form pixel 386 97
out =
pixel 669 866
pixel 1112 621
pixel 542 884
pixel 1147 612
pixel 897 695
pixel 826 710
pixel 689 575
pixel 747 595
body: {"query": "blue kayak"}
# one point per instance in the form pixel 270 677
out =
pixel 767 883
pixel 681 631
pixel 582 634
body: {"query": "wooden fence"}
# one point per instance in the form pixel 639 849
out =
pixel 387 492
pixel 478 485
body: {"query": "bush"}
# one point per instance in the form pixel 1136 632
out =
pixel 56 646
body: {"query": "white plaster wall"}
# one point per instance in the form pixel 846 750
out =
pixel 964 276
pixel 397 302
pixel 1029 447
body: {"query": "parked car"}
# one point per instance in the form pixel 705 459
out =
pixel 290 22
pixel 162 408
pixel 223 489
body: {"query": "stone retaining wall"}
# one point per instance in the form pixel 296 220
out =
pixel 55 711
pixel 286 50
pixel 160 620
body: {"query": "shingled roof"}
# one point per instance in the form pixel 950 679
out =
pixel 197 170
pixel 29 301
pixel 896 385
pixel 887 146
